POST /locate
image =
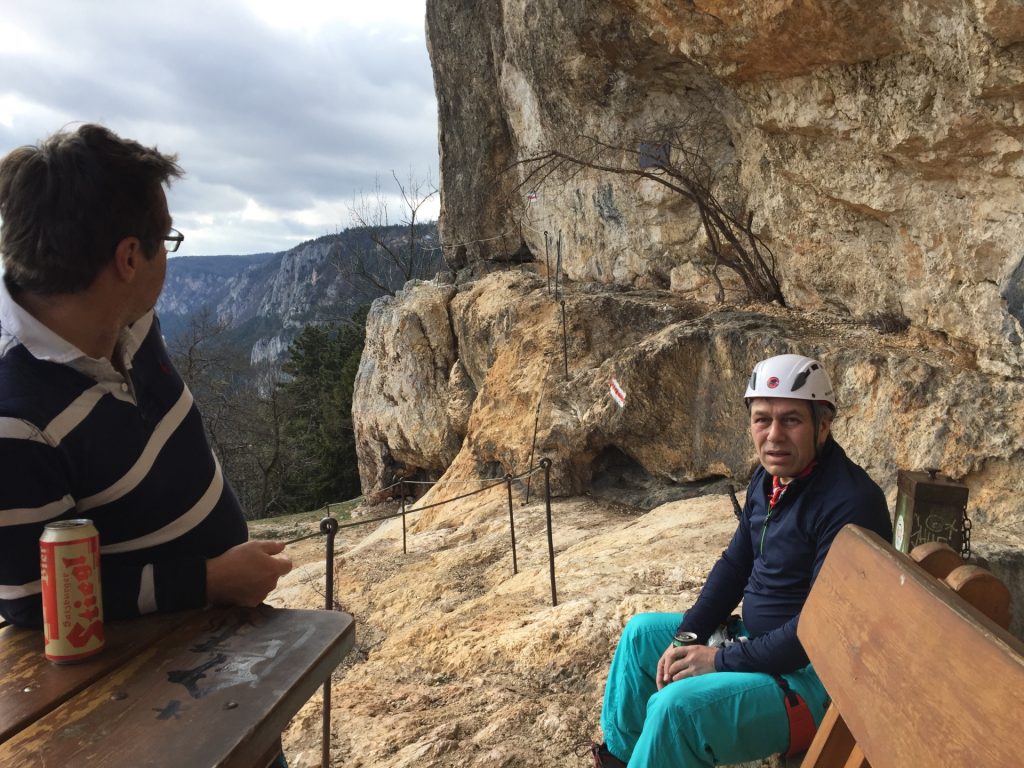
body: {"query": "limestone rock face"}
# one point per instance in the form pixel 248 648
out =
pixel 879 151
pixel 406 388
pixel 877 146
pixel 906 401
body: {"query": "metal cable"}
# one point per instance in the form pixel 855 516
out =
pixel 302 538
pixel 464 482
pixel 456 498
pixel 354 523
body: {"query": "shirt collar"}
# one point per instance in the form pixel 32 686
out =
pixel 17 325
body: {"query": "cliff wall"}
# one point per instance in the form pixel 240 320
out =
pixel 877 150
pixel 877 147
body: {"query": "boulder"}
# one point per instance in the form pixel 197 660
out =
pixel 406 419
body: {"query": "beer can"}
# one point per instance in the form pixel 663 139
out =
pixel 69 560
pixel 684 638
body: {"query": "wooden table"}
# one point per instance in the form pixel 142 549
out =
pixel 197 688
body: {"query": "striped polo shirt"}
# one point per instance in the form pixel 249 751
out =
pixel 79 439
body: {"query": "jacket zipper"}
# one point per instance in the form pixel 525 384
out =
pixel 764 529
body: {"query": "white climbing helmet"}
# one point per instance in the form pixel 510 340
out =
pixel 795 376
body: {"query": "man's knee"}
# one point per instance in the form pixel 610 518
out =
pixel 673 714
pixel 643 624
pixel 672 702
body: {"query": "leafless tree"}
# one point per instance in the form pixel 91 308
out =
pixel 241 408
pixel 678 157
pixel 397 246
pixel 194 350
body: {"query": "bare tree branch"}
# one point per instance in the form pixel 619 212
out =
pixel 389 259
pixel 681 165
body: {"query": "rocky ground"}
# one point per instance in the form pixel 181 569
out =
pixel 458 662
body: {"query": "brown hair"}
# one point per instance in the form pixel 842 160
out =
pixel 67 202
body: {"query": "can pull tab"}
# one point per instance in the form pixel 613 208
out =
pixel 684 638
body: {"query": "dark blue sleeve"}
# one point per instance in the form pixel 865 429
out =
pixel 42 493
pixel 775 652
pixel 780 651
pixel 724 587
pixel 35 491
pixel 177 585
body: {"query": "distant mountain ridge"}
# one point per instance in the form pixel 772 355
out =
pixel 266 299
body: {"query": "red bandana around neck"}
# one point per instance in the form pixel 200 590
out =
pixel 779 488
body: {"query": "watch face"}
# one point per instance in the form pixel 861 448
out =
pixel 899 533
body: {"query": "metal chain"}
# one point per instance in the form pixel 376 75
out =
pixel 965 546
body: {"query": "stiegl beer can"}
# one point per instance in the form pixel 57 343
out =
pixel 69 559
pixel 684 638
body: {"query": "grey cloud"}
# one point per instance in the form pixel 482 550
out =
pixel 253 113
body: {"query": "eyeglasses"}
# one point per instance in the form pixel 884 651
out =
pixel 172 240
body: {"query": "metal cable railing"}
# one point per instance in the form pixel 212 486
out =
pixel 329 527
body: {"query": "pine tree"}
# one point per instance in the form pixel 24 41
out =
pixel 322 364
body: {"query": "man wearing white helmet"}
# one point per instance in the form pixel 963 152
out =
pixel 752 693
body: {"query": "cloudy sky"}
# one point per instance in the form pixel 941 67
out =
pixel 281 111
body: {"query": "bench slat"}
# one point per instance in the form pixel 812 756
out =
pixel 982 590
pixel 832 744
pixel 856 759
pixel 920 677
pixel 938 558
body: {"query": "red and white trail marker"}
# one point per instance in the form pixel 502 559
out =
pixel 617 392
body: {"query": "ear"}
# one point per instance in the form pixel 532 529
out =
pixel 825 427
pixel 126 258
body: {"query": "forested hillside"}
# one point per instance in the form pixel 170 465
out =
pixel 270 344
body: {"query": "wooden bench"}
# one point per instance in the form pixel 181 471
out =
pixel 918 676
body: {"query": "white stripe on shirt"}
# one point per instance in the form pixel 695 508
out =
pixel 164 429
pixel 180 526
pixel 65 421
pixel 36 514
pixel 61 425
pixel 147 591
pixel 14 592
pixel 19 429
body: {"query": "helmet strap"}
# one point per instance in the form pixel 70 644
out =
pixel 816 420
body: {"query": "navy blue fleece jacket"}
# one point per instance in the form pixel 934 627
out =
pixel 774 580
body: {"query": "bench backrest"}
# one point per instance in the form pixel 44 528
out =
pixel 920 677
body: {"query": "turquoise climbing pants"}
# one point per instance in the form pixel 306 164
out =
pixel 714 719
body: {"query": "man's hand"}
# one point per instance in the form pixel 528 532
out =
pixel 684 661
pixel 245 574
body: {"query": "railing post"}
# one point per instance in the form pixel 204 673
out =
pixel 401 490
pixel 565 343
pixel 328 526
pixel 558 264
pixel 547 260
pixel 736 509
pixel 546 463
pixel 512 524
pixel 533 447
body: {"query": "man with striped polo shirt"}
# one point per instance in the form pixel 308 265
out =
pixel 674 701
pixel 94 420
